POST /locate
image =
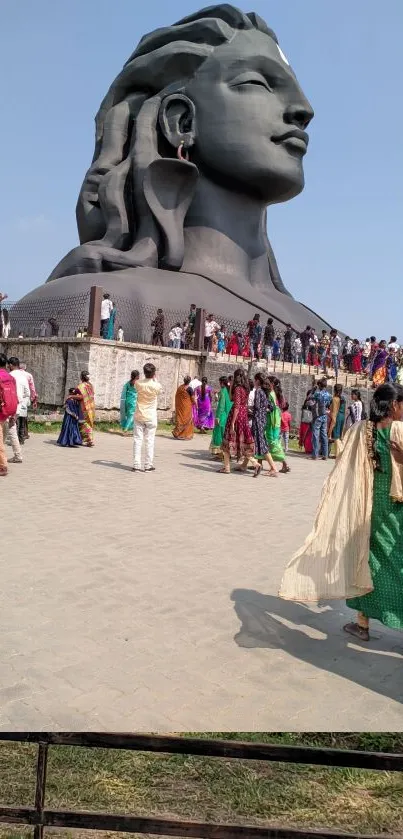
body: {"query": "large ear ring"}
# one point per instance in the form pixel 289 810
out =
pixel 177 120
pixel 169 186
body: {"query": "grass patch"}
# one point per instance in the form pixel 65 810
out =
pixel 214 789
pixel 54 427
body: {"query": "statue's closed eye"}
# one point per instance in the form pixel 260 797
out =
pixel 257 80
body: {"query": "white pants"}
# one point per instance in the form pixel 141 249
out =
pixel 10 431
pixel 146 431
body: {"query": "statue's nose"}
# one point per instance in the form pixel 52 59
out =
pixel 299 113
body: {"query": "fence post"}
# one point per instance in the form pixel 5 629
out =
pixel 199 329
pixel 94 317
pixel 40 787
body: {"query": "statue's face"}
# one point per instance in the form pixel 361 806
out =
pixel 247 98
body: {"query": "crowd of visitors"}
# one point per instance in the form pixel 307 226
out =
pixel 18 394
pixel 250 419
pixel 362 560
pixel 378 360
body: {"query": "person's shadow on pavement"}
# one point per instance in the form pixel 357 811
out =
pixel 377 666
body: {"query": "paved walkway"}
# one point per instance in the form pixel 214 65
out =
pixel 148 601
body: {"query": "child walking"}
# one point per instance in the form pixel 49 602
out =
pixel 285 426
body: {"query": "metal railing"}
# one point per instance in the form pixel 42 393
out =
pixel 64 317
pixel 48 318
pixel 40 817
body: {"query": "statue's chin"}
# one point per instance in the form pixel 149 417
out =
pixel 269 187
pixel 281 188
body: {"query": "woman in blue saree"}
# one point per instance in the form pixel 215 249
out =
pixel 110 332
pixel 128 403
pixel 70 431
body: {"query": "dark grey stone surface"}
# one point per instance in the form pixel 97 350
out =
pixel 203 129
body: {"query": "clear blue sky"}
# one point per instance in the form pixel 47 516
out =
pixel 339 245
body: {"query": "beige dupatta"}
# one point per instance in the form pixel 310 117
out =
pixel 333 562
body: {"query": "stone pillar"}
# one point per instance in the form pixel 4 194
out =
pixel 94 317
pixel 199 329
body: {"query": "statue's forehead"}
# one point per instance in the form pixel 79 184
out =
pixel 247 49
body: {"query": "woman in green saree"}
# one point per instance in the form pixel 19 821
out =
pixel 128 402
pixel 110 332
pixel 273 424
pixel 223 408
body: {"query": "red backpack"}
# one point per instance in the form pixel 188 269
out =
pixel 8 397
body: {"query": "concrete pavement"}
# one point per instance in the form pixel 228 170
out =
pixel 148 601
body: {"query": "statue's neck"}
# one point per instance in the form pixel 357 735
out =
pixel 225 235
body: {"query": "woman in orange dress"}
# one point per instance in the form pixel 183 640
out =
pixel 87 398
pixel 184 401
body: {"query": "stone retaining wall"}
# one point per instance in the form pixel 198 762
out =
pixel 295 384
pixel 56 365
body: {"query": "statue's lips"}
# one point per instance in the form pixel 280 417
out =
pixel 295 139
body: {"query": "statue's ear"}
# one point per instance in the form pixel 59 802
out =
pixel 169 185
pixel 177 119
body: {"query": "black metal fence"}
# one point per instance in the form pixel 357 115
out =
pixel 50 318
pixel 69 317
pixel 40 817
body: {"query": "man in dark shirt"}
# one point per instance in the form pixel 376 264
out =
pixel 268 339
pixel 305 340
pixel 191 326
pixel 287 343
pixel 158 334
pixel 54 327
pixel 255 335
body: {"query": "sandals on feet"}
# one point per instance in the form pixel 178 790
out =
pixel 357 630
pixel 223 471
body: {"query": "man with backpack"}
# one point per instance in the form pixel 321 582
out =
pixel 319 403
pixel 8 411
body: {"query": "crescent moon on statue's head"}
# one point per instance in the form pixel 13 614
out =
pixel 282 55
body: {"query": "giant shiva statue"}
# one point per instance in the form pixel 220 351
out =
pixel 202 130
